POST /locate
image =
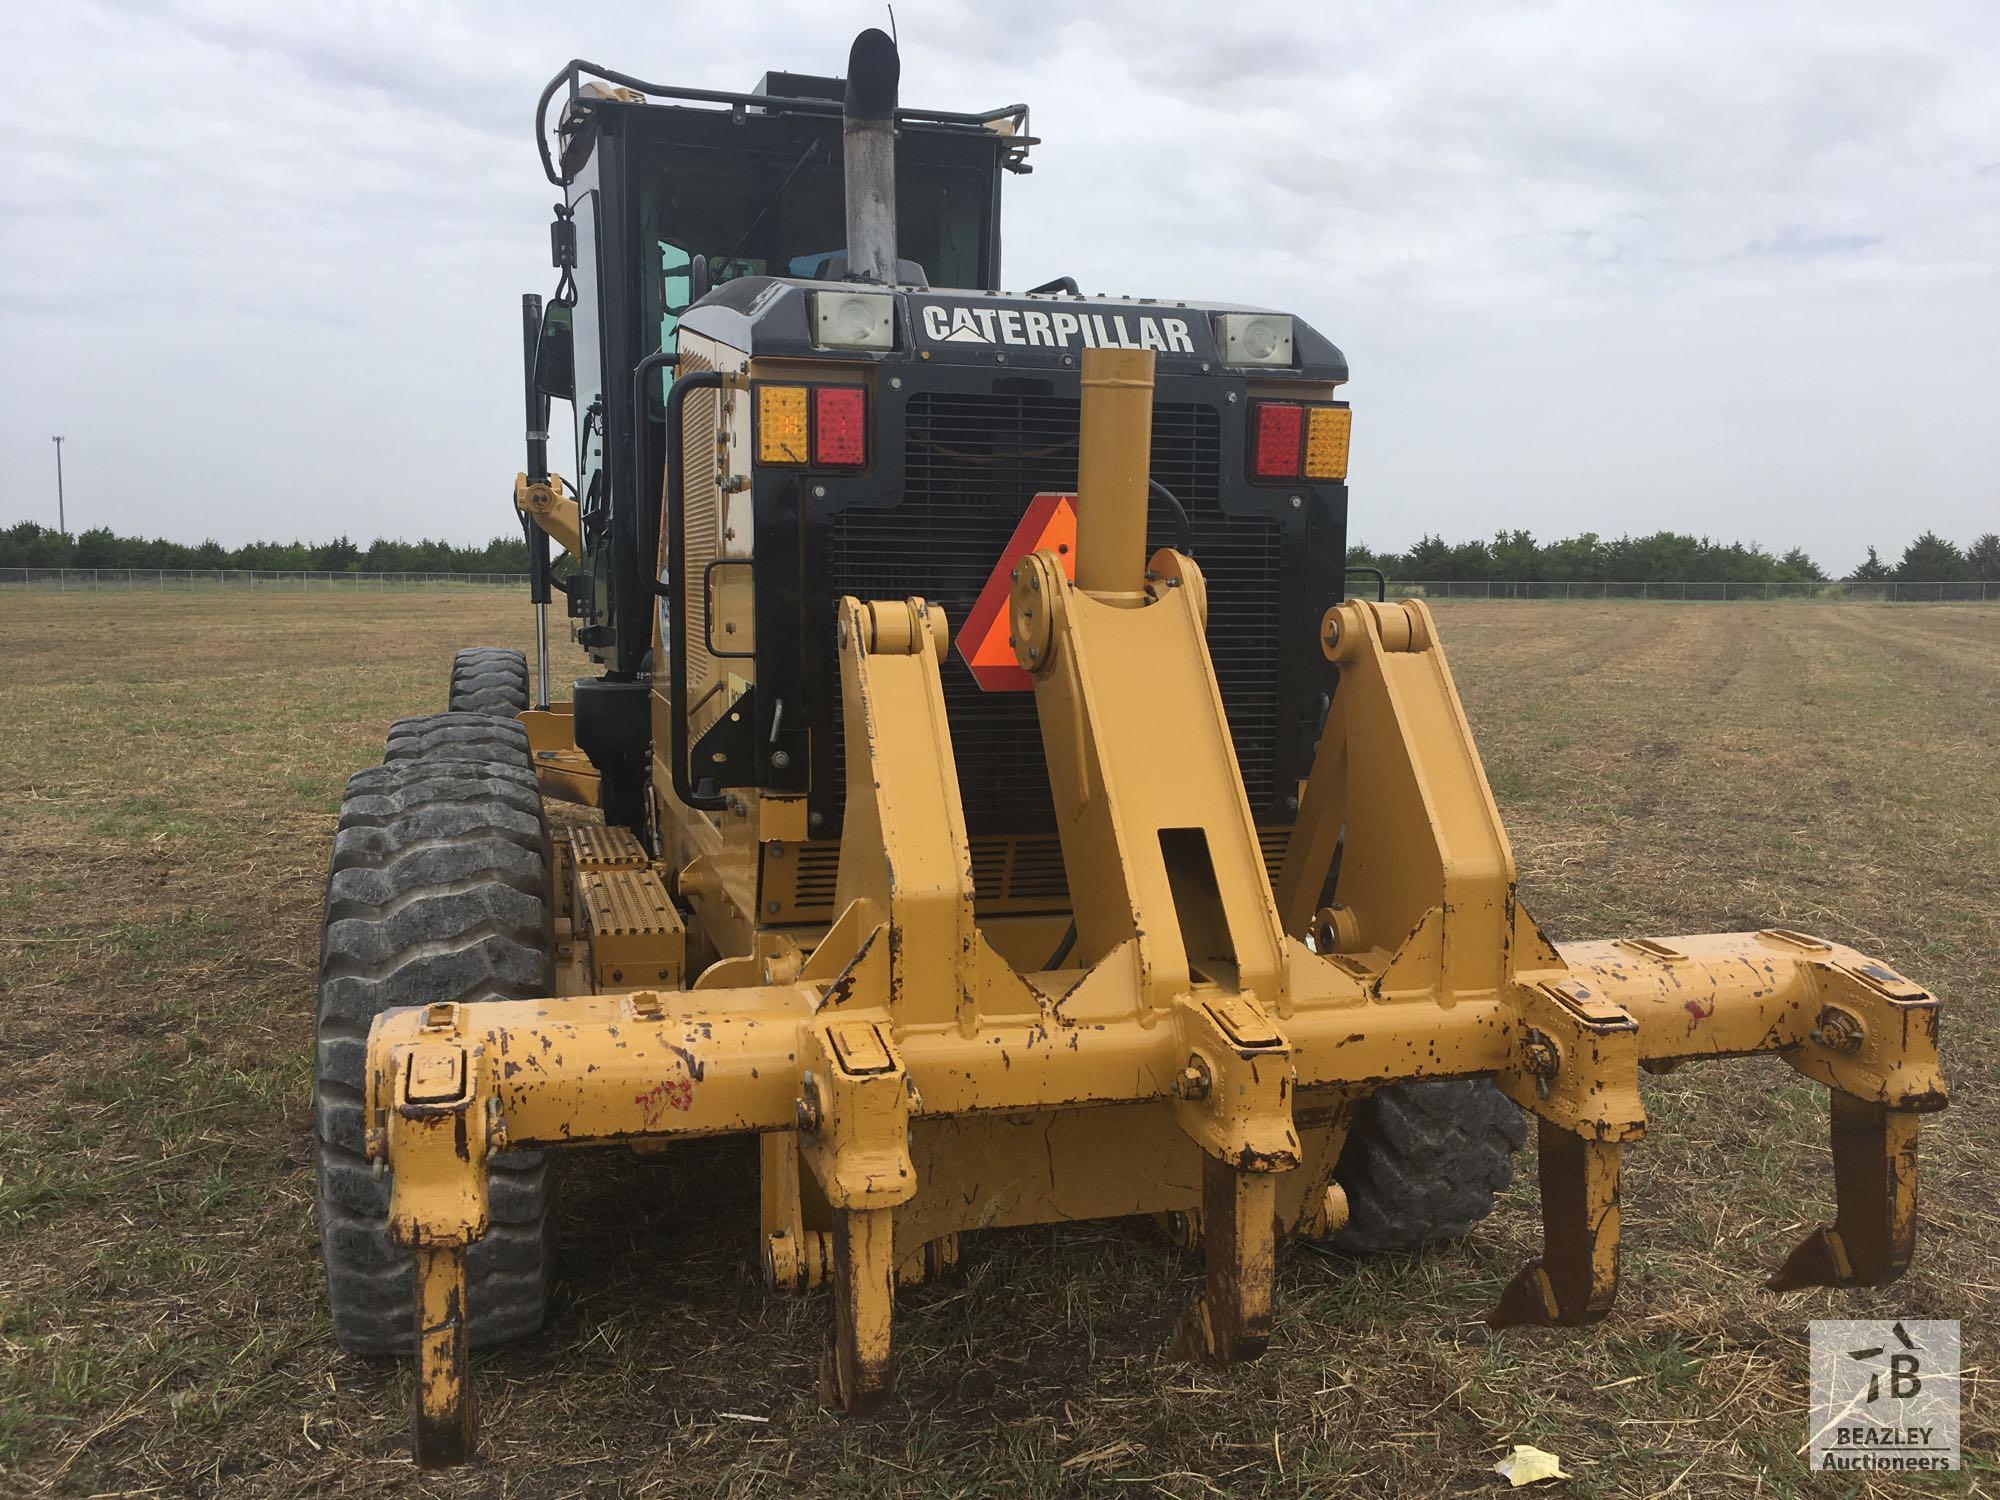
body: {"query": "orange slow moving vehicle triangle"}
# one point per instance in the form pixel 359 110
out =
pixel 1049 525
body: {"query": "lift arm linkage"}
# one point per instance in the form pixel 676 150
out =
pixel 545 504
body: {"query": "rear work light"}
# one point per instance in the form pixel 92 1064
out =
pixel 1297 440
pixel 821 426
pixel 1254 338
pixel 853 320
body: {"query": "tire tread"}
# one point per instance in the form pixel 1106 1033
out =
pixel 1424 1161
pixel 437 891
pixel 489 680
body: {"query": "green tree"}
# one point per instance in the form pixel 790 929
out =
pixel 337 556
pixel 1470 560
pixel 99 547
pixel 1983 556
pixel 1796 567
pixel 1932 559
pixel 1576 559
pixel 1516 558
pixel 161 553
pixel 28 544
pixel 1872 571
pixel 1649 559
pixel 1429 558
pixel 1359 555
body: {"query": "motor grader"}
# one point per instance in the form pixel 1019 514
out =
pixel 1007 816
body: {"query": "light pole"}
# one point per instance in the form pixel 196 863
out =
pixel 62 521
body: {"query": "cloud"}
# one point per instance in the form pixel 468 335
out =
pixel 1702 265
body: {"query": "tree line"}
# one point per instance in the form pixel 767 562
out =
pixel 1511 556
pixel 28 545
pixel 1666 557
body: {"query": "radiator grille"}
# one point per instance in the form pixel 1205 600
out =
pixel 971 464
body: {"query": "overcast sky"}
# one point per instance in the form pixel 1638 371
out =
pixel 1724 268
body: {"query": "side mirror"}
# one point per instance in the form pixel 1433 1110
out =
pixel 698 283
pixel 555 355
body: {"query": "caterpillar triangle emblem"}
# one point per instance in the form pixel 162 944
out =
pixel 1049 525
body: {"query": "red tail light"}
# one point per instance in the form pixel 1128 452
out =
pixel 840 426
pixel 1280 440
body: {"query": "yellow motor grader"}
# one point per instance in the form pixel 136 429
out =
pixel 1007 816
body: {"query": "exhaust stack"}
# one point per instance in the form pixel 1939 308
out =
pixel 868 129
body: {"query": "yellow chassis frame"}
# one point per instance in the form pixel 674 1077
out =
pixel 1203 1054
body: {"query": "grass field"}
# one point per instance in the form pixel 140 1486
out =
pixel 169 769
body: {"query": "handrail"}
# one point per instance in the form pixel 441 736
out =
pixel 573 73
pixel 677 712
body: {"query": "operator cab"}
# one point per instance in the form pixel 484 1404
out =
pixel 797 378
pixel 667 197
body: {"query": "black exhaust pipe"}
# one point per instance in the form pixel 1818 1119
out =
pixel 868 131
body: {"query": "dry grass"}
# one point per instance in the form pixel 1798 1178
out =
pixel 168 773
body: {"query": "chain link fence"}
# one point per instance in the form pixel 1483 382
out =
pixel 75 580
pixel 70 580
pixel 1849 591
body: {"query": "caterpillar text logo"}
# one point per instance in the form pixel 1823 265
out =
pixel 1054 328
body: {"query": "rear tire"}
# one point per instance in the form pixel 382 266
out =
pixel 1424 1160
pixel 480 738
pixel 488 680
pixel 438 891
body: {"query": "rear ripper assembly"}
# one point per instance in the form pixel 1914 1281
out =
pixel 1238 974
pixel 1202 1056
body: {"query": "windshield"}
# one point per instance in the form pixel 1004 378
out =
pixel 784 214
